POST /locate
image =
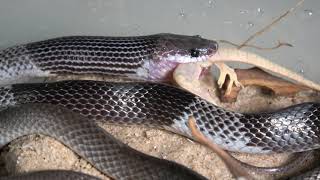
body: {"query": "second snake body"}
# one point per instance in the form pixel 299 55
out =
pixel 293 129
pixel 91 142
pixel 153 57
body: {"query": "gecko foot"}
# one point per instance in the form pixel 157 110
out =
pixel 224 71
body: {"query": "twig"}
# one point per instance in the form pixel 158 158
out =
pixel 270 25
pixel 257 47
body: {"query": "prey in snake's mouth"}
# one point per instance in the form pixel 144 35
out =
pixel 151 57
pixel 154 58
pixel 172 50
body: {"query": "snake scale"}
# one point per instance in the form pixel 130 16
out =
pixel 88 140
pixel 153 58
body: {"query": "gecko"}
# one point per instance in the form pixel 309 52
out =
pixel 190 76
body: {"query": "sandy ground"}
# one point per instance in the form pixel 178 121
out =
pixel 38 152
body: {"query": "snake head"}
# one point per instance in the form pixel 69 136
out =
pixel 185 49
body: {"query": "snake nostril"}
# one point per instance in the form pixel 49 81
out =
pixel 215 46
pixel 212 47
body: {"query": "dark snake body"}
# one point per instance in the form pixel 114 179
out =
pixel 154 58
pixel 151 57
pixel 51 174
pixel 293 129
pixel 88 140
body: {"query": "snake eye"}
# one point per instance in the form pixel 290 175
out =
pixel 194 53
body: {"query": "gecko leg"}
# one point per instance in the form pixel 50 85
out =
pixel 236 167
pixel 224 71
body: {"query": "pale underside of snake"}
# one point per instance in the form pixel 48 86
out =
pixel 154 57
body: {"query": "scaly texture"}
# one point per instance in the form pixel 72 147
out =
pixel 51 175
pixel 88 140
pixel 310 175
pixel 151 57
pixel 292 129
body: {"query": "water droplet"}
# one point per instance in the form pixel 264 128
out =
pixel 210 3
pixel 308 12
pixel 260 11
pixel 244 11
pixel 182 13
pixel 249 25
pixel 301 71
pixel 301 66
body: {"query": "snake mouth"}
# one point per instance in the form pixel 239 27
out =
pixel 188 56
pixel 185 58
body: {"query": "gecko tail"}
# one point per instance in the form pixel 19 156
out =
pixel 236 55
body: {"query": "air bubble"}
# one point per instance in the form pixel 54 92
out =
pixel 308 12
pixel 249 25
pixel 301 71
pixel 244 11
pixel 301 66
pixel 260 11
pixel 210 3
pixel 182 13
